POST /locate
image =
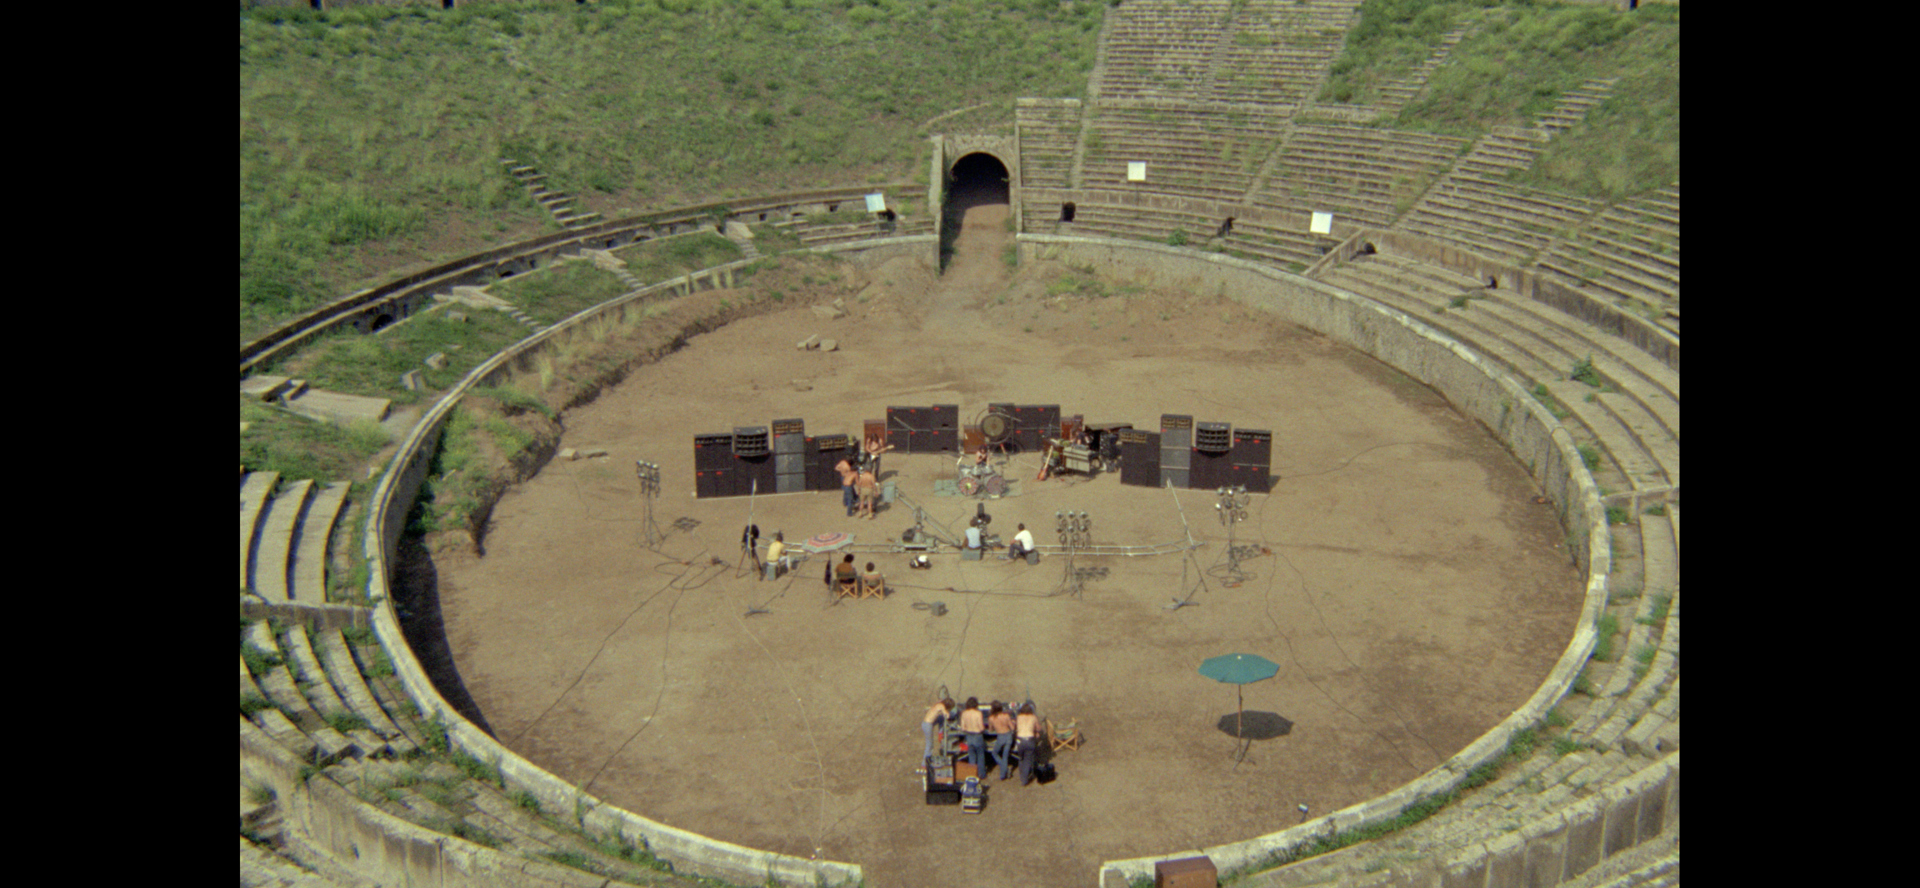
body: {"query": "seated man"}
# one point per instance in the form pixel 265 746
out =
pixel 873 582
pixel 845 575
pixel 1021 545
pixel 777 558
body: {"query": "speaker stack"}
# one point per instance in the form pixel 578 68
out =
pixel 1176 451
pixel 1212 446
pixel 1252 460
pixel 789 456
pixel 1033 424
pixel 753 460
pixel 823 453
pixel 1139 457
pixel 712 465
pixel 902 422
pixel 943 432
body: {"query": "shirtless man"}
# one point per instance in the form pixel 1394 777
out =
pixel 874 446
pixel 868 488
pixel 1026 733
pixel 847 477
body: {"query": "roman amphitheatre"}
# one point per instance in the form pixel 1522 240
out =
pixel 510 271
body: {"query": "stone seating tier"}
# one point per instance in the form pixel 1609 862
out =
pixel 1631 437
pixel 255 489
pixel 273 551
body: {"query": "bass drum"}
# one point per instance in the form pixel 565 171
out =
pixel 970 486
pixel 996 486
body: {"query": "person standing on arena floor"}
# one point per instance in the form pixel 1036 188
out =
pixel 868 489
pixel 1026 734
pixel 935 719
pixel 847 476
pixel 1000 723
pixel 973 724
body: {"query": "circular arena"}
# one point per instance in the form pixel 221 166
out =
pixel 485 653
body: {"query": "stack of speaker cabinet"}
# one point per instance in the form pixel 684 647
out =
pixel 789 456
pixel 1033 424
pixel 753 460
pixel 1139 457
pixel 1176 451
pixel 1252 460
pixel 1212 446
pixel 713 471
pixel 933 429
pixel 823 453
pixel 902 422
pixel 943 433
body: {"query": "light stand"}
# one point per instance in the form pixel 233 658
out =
pixel 1075 531
pixel 649 475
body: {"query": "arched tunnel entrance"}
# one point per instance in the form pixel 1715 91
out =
pixel 977 204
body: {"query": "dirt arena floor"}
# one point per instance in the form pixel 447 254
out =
pixel 1409 586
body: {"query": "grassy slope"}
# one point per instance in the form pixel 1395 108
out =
pixel 1516 65
pixel 371 137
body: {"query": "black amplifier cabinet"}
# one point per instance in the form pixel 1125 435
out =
pixel 1253 459
pixel 754 469
pixel 823 452
pixel 1209 471
pixel 1254 478
pixel 1252 447
pixel 945 416
pixel 937 441
pixel 712 451
pixel 1139 458
pixel 711 483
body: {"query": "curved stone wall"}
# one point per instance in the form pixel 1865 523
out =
pixel 1474 385
pixel 388 508
pixel 1477 388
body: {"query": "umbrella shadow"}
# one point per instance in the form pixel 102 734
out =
pixel 1256 725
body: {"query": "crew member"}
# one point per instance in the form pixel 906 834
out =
pixel 1021 545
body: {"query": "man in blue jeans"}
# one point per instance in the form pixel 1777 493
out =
pixel 1000 722
pixel 973 724
pixel 847 476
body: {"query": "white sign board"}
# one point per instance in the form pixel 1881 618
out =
pixel 1322 223
pixel 1136 171
pixel 876 202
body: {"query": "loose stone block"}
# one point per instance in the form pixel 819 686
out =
pixel 827 345
pixel 457 316
pixel 809 342
pixel 568 454
pixel 437 360
pixel 411 381
pixel 830 312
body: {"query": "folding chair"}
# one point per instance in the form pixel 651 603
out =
pixel 874 588
pixel 849 588
pixel 1065 736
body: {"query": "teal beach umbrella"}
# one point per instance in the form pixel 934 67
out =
pixel 1239 670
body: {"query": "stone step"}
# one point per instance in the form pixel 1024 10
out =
pixel 313 684
pixel 274 547
pixel 255 488
pixel 338 408
pixel 310 553
pixel 263 388
pixel 337 659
